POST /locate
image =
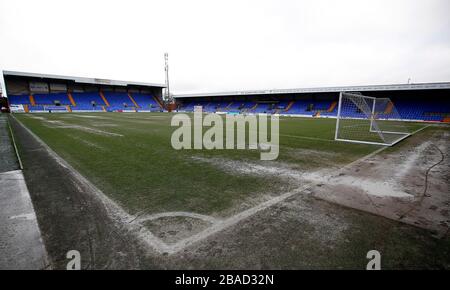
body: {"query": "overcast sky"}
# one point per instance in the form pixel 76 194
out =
pixel 230 45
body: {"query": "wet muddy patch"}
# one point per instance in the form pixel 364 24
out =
pixel 172 229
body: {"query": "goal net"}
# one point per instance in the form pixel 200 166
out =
pixel 363 119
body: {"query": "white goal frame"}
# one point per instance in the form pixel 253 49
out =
pixel 370 115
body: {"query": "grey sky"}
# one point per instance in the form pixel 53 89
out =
pixel 230 45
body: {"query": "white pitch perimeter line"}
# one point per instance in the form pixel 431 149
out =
pixel 231 221
pixel 15 146
pixel 115 211
pixel 420 129
pixel 157 244
pixel 156 216
pixel 222 225
pixel 377 151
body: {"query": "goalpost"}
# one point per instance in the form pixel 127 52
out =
pixel 368 120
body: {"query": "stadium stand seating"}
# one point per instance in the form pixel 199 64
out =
pixel 118 101
pixel 50 99
pixel 122 101
pixel 410 109
pixel 85 101
pixel 423 110
pixel 261 108
pixel 19 99
pixel 146 102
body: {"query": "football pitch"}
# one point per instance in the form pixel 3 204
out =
pixel 130 158
pixel 215 208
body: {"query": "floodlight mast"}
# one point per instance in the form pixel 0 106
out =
pixel 166 68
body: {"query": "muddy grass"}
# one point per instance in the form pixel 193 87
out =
pixel 301 232
pixel 8 158
pixel 173 229
pixel 308 233
pixel 393 183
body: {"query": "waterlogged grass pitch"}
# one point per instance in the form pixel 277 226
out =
pixel 130 158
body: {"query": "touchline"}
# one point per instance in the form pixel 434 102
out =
pixel 213 137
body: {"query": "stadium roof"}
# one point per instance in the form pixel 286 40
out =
pixel 397 87
pixel 82 80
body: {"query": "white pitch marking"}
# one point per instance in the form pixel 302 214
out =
pixel 222 225
pixel 116 212
pixel 151 240
pixel 156 216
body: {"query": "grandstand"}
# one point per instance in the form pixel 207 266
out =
pixel 414 102
pixel 43 93
pixel 97 177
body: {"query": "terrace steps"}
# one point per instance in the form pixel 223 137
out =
pixel 332 106
pixel 72 101
pixel 289 106
pixel 132 100
pixel 159 102
pixel 104 99
pixel 32 100
pixel 389 108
